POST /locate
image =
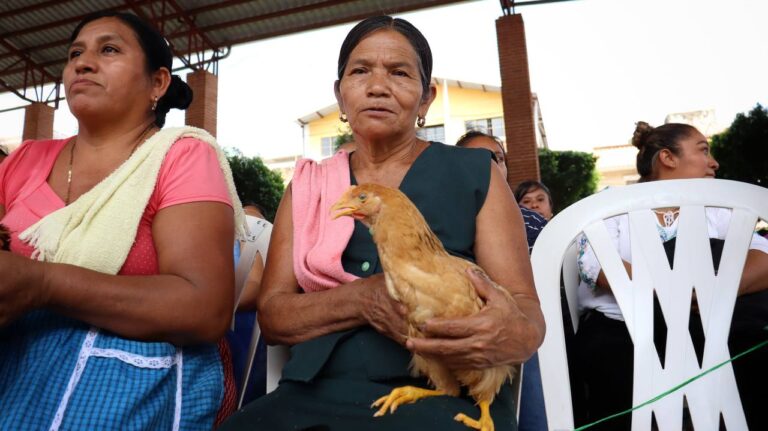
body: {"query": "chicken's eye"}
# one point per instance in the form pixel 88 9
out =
pixel 362 197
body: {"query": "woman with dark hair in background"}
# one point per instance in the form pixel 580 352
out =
pixel 535 196
pixel 119 281
pixel 478 139
pixel 325 294
pixel 604 348
pixel 534 222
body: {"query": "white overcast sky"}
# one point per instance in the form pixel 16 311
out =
pixel 597 65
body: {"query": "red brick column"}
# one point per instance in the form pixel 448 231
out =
pixel 522 153
pixel 202 112
pixel 38 121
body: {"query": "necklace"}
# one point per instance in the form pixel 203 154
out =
pixel 69 170
pixel 668 216
pixel 72 158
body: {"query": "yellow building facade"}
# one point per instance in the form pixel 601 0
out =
pixel 458 107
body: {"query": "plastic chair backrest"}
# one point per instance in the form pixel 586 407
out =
pixel 706 398
pixel 256 241
pixel 277 356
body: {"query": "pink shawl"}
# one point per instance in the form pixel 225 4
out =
pixel 318 240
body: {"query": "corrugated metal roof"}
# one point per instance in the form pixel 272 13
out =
pixel 34 34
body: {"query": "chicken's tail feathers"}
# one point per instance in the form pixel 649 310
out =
pixel 440 377
pixel 484 384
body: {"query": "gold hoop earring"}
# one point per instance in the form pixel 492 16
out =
pixel 343 117
pixel 154 104
pixel 421 121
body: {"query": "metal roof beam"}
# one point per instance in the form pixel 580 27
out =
pixel 135 6
pixel 298 9
pixel 30 68
pixel 30 8
pixel 179 13
pixel 221 54
pixel 23 68
pixel 37 48
pixel 206 8
pixel 15 91
pixel 29 63
pixel 174 15
pixel 62 22
pixel 508 6
pixel 197 41
pixel 248 20
pixel 305 27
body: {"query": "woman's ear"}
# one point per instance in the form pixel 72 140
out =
pixel 161 79
pixel 667 159
pixel 427 100
pixel 337 93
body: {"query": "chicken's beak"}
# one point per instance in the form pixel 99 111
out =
pixel 341 209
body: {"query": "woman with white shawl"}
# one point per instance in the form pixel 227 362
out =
pixel 119 281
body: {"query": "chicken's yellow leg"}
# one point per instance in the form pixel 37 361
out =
pixel 485 423
pixel 402 395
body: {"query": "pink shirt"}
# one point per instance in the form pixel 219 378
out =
pixel 189 173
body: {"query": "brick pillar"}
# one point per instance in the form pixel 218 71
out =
pixel 522 153
pixel 202 112
pixel 38 121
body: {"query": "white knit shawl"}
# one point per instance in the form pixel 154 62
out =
pixel 97 230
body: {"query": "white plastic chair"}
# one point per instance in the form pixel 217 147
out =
pixel 706 397
pixel 277 356
pixel 257 241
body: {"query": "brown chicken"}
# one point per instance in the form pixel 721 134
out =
pixel 431 283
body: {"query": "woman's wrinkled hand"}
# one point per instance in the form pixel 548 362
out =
pixel 382 312
pixel 499 334
pixel 21 286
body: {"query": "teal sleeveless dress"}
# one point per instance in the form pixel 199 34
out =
pixel 330 381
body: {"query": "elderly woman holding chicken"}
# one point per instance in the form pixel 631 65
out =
pixel 323 291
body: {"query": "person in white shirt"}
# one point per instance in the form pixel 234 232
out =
pixel 604 348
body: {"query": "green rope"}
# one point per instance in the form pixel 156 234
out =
pixel 658 397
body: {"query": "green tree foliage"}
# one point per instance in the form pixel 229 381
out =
pixel 345 135
pixel 256 182
pixel 742 149
pixel 569 175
